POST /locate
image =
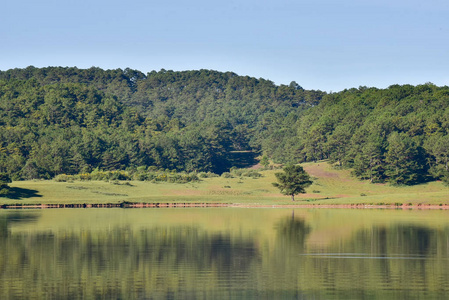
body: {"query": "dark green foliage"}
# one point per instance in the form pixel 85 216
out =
pixel 396 135
pixel 368 161
pixel 405 161
pixel 292 181
pixel 245 173
pixel 438 148
pixel 140 174
pixel 69 121
pixel 4 187
pixel 265 161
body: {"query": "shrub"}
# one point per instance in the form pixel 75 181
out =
pixel 252 174
pixel 226 175
pixel 245 173
pixel 152 169
pixel 4 180
pixel 140 176
pixel 208 175
pixel 63 178
pixel 141 169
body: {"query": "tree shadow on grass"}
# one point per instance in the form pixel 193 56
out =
pixel 19 193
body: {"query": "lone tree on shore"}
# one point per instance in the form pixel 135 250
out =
pixel 292 181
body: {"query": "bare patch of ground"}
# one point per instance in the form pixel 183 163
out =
pixel 256 167
pixel 317 170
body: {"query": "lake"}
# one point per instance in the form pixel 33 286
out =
pixel 224 253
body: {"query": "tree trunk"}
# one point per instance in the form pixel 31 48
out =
pixel 293 197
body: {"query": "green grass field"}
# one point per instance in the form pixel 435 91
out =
pixel 330 187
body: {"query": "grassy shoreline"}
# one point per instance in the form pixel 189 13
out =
pixel 330 188
pixel 215 205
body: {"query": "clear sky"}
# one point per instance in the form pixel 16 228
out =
pixel 320 44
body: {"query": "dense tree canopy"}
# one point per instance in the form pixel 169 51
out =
pixel 68 120
pixel 396 135
pixel 292 181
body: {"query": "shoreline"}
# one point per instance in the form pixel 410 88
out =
pixel 210 204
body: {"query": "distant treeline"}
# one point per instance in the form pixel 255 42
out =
pixel 69 121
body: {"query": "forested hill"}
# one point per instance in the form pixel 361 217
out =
pixel 69 120
pixel 398 135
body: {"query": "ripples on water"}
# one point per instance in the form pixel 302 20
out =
pixel 362 256
pixel 223 254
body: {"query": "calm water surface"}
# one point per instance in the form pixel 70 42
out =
pixel 224 253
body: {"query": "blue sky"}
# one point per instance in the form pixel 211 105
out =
pixel 326 45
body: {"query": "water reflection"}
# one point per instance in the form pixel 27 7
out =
pixel 123 263
pixel 402 239
pixel 292 233
pixel 14 217
pixel 223 254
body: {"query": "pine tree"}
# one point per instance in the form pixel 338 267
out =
pixel 292 181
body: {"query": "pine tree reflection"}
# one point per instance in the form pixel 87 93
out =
pixel 292 233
